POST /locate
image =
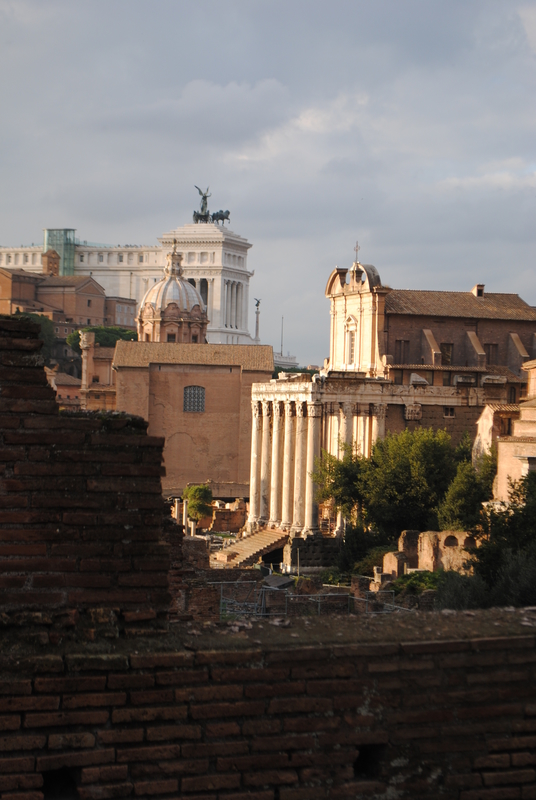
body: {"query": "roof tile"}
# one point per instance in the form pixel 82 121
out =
pixel 251 357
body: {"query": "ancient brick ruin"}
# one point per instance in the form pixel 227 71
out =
pixel 102 695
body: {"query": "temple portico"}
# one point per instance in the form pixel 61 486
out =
pixel 294 418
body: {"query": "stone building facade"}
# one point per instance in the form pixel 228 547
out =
pixel 516 454
pixel 398 359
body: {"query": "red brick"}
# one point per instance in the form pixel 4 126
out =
pixel 118 736
pixel 65 718
pixel 103 791
pixel 81 759
pixel 156 753
pixel 59 741
pixel 20 782
pixel 23 765
pixel 10 743
pixel 164 732
pixel 15 687
pixel 94 700
pixel 305 705
pixel 182 677
pixel 23 796
pixel 512 776
pixel 142 714
pixel 113 773
pixel 129 681
pixel 148 697
pixel 274 776
pixel 29 703
pixel 149 788
pixel 201 783
pixel 88 684
pixel 221 730
pixel 10 723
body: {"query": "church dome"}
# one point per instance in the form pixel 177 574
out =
pixel 172 310
pixel 173 288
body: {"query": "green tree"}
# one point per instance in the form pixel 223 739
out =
pixel 338 480
pixel 461 507
pixel 486 467
pixel 199 499
pixel 104 336
pixel 47 333
pixel 406 478
pixel 508 529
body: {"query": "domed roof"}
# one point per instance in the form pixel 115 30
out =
pixel 173 288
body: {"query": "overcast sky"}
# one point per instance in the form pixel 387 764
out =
pixel 409 125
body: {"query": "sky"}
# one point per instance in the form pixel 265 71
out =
pixel 406 125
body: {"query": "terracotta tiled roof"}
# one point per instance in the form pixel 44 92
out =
pixel 68 280
pixel 506 407
pixel 103 353
pixel 140 354
pixel 458 304
pixel 62 379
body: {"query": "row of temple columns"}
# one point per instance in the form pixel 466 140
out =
pixel 234 299
pixel 286 438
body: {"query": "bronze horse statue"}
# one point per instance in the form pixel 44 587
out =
pixel 221 216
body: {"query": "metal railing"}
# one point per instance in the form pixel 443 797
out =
pixel 248 598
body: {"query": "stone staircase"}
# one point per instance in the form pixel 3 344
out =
pixel 247 551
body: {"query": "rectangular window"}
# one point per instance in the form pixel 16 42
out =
pixel 81 258
pixel 8 259
pixel 171 337
pixel 401 351
pixel 447 378
pixel 194 398
pixel 194 338
pixel 95 379
pixel 140 258
pixel 25 258
pixel 120 258
pixel 89 303
pixel 65 330
pixel 446 354
pixel 89 322
pixel 101 258
pixel 492 353
pixel 398 376
pixel 512 394
pixel 351 347
pixel 448 411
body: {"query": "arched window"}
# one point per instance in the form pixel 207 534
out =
pixel 469 543
pixel 451 541
pixel 194 398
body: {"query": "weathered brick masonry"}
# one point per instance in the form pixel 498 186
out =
pixel 454 719
pixel 318 711
pixel 80 500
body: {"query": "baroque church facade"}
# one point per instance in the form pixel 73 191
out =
pixel 398 359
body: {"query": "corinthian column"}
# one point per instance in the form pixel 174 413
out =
pixel 266 453
pixel 314 413
pixel 378 421
pixel 345 437
pixel 277 465
pixel 288 466
pixel 298 517
pixel 254 484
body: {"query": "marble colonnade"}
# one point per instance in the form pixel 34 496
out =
pixel 287 436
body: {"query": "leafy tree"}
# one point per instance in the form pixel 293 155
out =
pixel 199 499
pixel 486 467
pixel 406 478
pixel 461 507
pixel 104 336
pixel 338 480
pixel 508 529
pixel 47 333
pixel 464 450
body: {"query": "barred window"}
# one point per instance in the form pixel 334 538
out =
pixel 194 398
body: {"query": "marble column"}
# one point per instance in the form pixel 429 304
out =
pixel 277 464
pixel 228 304
pixel 298 517
pixel 239 301
pixel 288 466
pixel 379 411
pixel 254 475
pixel 233 304
pixel 266 453
pixel 314 427
pixel 346 433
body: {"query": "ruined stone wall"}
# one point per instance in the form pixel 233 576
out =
pixel 452 719
pixel 80 500
pixel 315 551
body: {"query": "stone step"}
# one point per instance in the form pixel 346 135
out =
pixel 247 551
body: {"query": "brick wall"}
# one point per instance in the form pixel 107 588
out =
pixel 453 719
pixel 80 500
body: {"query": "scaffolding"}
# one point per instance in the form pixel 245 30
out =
pixel 63 241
